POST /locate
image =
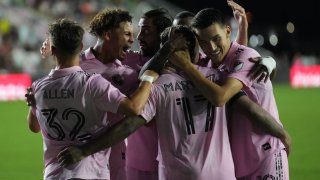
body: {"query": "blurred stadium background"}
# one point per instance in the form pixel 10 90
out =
pixel 285 30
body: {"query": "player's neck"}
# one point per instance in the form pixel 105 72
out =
pixel 101 53
pixel 68 62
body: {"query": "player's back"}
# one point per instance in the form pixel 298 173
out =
pixel 193 143
pixel 71 109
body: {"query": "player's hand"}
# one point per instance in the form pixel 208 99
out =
pixel 238 12
pixel 45 49
pixel 70 155
pixel 30 100
pixel 287 142
pixel 177 41
pixel 181 59
pixel 260 71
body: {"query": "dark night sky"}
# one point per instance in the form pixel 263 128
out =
pixel 274 14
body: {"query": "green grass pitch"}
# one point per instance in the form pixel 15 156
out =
pixel 21 150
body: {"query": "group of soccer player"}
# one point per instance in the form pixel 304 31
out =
pixel 169 111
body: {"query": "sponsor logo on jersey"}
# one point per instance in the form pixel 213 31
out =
pixel 237 66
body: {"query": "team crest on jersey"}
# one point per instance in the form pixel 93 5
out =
pixel 237 66
pixel 266 146
pixel 117 79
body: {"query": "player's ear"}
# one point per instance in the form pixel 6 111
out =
pixel 107 35
pixel 228 31
pixel 53 50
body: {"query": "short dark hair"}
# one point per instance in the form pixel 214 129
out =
pixel 186 32
pixel 66 36
pixel 184 14
pixel 160 18
pixel 206 17
pixel 108 19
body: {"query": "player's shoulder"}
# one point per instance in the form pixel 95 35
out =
pixel 37 83
pixel 165 78
pixel 247 52
pixel 96 81
pixel 86 74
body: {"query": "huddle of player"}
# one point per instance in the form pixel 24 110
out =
pixel 185 113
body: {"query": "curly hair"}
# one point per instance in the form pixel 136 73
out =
pixel 108 19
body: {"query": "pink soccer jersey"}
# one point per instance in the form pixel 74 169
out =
pixel 193 136
pixel 71 109
pixel 121 76
pixel 135 60
pixel 250 146
pixel 126 80
pixel 142 144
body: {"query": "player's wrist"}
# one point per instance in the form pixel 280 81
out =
pixel 188 67
pixel 86 151
pixel 147 78
pixel 269 63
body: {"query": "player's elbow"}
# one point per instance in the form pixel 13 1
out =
pixel 219 103
pixel 129 108
pixel 134 110
pixel 219 100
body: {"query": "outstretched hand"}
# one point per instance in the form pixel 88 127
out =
pixel 181 59
pixel 177 41
pixel 70 155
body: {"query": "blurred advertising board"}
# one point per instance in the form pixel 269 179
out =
pixel 305 76
pixel 13 86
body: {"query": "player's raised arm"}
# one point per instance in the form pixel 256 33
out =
pixel 240 15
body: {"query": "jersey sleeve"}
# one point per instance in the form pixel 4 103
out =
pixel 135 60
pixel 149 110
pixel 242 66
pixel 106 96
